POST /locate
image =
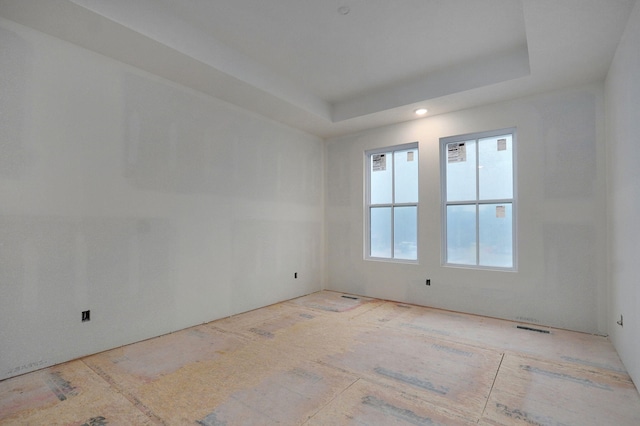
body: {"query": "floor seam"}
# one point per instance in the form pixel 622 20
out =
pixel 331 400
pixel 484 409
pixel 125 394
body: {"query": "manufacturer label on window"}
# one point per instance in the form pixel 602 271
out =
pixel 456 153
pixel 379 162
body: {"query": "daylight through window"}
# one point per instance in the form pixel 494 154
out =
pixel 392 203
pixel 479 199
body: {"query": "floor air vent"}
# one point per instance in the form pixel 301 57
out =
pixel 350 297
pixel 522 327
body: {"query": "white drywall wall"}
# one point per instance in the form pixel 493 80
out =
pixel 623 148
pixel 561 215
pixel 150 204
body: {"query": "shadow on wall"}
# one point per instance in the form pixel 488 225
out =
pixel 53 264
pixel 177 141
pixel 266 253
pixel 570 135
pixel 571 277
pixel 15 64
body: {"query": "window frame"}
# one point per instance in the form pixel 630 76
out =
pixel 478 202
pixel 368 206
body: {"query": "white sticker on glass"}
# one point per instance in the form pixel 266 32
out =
pixel 379 162
pixel 456 152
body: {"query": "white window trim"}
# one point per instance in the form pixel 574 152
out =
pixel 444 204
pixel 367 204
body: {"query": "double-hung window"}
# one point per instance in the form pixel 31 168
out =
pixel 478 200
pixel 392 203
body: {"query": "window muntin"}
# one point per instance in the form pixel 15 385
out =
pixel 392 203
pixel 478 195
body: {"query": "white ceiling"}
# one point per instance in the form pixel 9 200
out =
pixel 309 65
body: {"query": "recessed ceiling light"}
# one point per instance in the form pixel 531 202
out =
pixel 421 111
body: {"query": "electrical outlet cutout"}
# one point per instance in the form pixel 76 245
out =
pixel 621 322
pixel 295 275
pixel 428 281
pixel 86 316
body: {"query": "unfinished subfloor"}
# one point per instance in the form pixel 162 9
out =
pixel 331 359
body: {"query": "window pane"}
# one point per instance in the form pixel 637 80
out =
pixel 461 235
pixel 381 232
pixel 405 233
pixel 496 226
pixel 406 179
pixel 495 167
pixel 381 178
pixel 461 171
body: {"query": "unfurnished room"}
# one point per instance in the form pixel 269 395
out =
pixel 319 212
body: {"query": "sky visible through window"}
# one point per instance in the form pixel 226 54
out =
pixel 479 201
pixel 394 204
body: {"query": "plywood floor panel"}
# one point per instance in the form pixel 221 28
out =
pixel 367 403
pixel 134 366
pixel 247 382
pixel 445 373
pixel 534 391
pixel 245 320
pixel 290 395
pixel 329 301
pixel 254 325
pixel 560 345
pixel 67 394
